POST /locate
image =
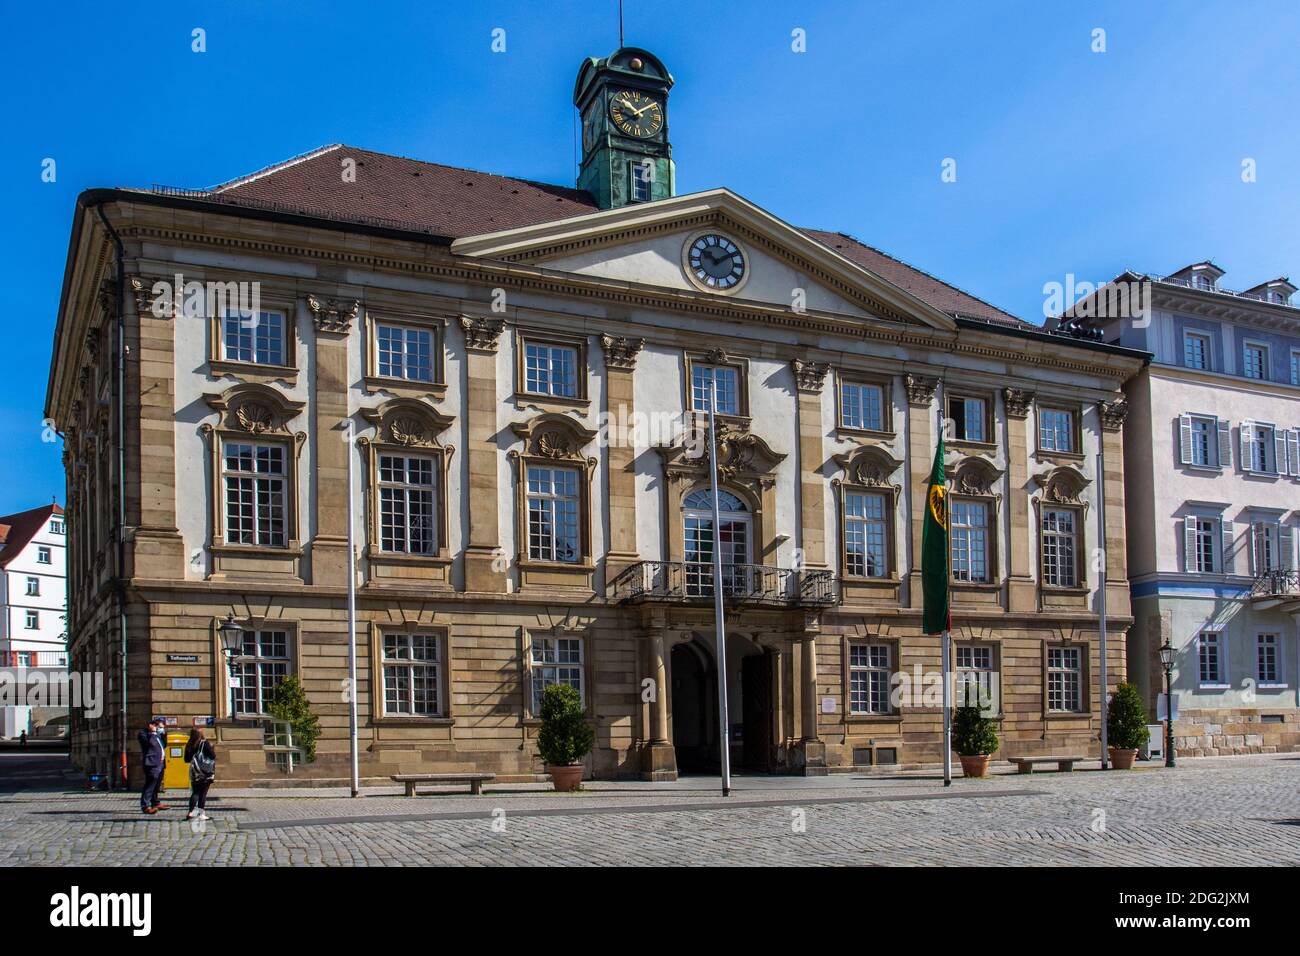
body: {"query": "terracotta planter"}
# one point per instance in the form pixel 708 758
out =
pixel 976 766
pixel 566 779
pixel 1122 759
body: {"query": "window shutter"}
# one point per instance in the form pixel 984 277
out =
pixel 1293 451
pixel 1279 443
pixel 1247 460
pixel 1286 544
pixel 1189 545
pixel 1185 439
pixel 1228 532
pixel 1225 442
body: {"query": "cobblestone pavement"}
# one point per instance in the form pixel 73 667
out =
pixel 1234 811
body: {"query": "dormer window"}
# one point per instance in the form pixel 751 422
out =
pixel 1203 280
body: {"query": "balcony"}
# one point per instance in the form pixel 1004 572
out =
pixel 1276 589
pixel 687 582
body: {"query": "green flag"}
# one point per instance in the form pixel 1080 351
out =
pixel 934 549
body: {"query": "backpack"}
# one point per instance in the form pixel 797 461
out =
pixel 203 767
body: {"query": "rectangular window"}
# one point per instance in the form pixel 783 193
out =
pixel 263 664
pixel 704 378
pixel 1056 430
pixel 1204 442
pixel 970 541
pixel 1295 366
pixel 1060 547
pixel 974 674
pixel 33 620
pixel 641 174
pixel 56 526
pixel 1065 680
pixel 1209 656
pixel 969 417
pixel 1206 532
pixel 555 660
pixel 1196 350
pixel 866 535
pixel 412 666
pixel 1266 658
pixel 404 352
pixel 862 406
pixel 408 517
pixel 1259 448
pixel 1254 363
pixel 259 340
pixel 550 369
pixel 1267 547
pixel 553 527
pixel 44 555
pixel 869 675
pixel 256 494
pixel 33 587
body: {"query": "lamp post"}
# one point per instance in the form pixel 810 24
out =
pixel 1167 661
pixel 232 643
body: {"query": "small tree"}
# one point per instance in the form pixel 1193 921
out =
pixel 289 703
pixel 973 734
pixel 1126 719
pixel 565 737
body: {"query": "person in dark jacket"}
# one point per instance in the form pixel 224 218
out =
pixel 202 758
pixel 151 756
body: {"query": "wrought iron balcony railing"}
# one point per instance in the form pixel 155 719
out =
pixel 687 581
pixel 1277 583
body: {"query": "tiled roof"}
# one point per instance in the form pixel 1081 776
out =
pixel 452 202
pixel 17 530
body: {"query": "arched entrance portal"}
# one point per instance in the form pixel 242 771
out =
pixel 695 705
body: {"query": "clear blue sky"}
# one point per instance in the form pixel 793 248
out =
pixel 1067 160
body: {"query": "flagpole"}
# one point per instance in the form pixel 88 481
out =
pixel 1101 599
pixel 724 730
pixel 947 709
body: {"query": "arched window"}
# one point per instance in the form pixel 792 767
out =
pixel 734 541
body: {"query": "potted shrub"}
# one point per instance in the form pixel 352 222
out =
pixel 975 738
pixel 565 737
pixel 1126 726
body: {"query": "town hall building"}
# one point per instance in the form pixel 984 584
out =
pixel 511 377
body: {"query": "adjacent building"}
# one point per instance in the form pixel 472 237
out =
pixel 33 628
pixel 512 377
pixel 1212 465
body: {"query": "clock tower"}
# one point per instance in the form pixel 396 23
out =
pixel 623 102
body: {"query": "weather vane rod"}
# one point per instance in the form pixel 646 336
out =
pixel 620 24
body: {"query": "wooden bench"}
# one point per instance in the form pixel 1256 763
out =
pixel 1026 764
pixel 475 780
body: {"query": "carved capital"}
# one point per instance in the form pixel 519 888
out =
pixel 1113 414
pixel 481 335
pixel 1017 401
pixel 621 351
pixel 809 376
pixel 920 390
pixel 333 316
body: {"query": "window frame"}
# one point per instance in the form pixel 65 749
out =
pixel 44 554
pixel 438 664
pixel 32 621
pixel 581 370
pixel 993 671
pixel 1271 639
pixel 717 359
pixel 890 494
pixel 1219 643
pixel 1204 337
pixel 270 301
pixel 435 325
pixel 890 647
pixel 284 476
pixel 885 387
pixel 553 440
pixel 1084 682
pixel 988 503
pixel 532 691
pixel 633 181
pixel 989 417
pixel 33 585
pixel 434 489
pixel 1266 360
pixel 1079 571
pixel 377 631
pixel 1075 452
pixel 258 660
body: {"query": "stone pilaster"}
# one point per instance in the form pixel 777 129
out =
pixel 620 368
pixel 156 549
pixel 1112 415
pixel 810 380
pixel 1021 595
pixel 484 569
pixel 810 758
pixel 334 320
pixel 920 456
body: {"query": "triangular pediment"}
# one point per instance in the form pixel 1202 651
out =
pixel 647 244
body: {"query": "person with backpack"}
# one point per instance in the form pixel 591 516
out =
pixel 202 758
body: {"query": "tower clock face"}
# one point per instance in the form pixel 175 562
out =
pixel 636 114
pixel 715 262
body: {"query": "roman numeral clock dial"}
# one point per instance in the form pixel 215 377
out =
pixel 715 262
pixel 636 114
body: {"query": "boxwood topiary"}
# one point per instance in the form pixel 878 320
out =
pixel 565 737
pixel 973 734
pixel 1126 720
